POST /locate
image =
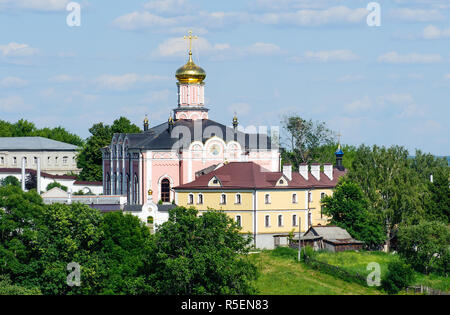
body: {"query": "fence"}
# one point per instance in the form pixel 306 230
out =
pixel 424 290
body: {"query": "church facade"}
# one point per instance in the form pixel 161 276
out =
pixel 146 166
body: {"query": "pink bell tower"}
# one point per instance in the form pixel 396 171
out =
pixel 191 89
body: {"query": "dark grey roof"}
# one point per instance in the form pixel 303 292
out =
pixel 165 207
pixel 185 131
pixel 34 144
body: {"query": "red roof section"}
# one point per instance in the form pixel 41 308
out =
pixel 249 175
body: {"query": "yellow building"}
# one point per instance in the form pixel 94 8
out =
pixel 263 203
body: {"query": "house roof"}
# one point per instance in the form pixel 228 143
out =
pixel 34 144
pixel 161 138
pixel 249 175
pixel 28 171
pixel 332 234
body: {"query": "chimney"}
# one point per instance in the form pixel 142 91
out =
pixel 287 171
pixel 38 176
pixel 315 170
pixel 303 168
pixel 23 174
pixel 328 170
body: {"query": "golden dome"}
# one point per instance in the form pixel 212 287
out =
pixel 190 72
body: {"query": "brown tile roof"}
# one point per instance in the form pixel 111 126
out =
pixel 249 175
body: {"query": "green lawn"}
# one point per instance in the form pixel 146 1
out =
pixel 283 275
pixel 358 261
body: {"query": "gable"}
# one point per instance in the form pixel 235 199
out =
pixel 214 182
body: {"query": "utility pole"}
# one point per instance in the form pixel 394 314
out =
pixel 299 232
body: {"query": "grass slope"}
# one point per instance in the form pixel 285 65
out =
pixel 358 261
pixel 281 274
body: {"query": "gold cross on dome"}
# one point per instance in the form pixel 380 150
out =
pixel 190 37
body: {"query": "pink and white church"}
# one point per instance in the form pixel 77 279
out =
pixel 145 166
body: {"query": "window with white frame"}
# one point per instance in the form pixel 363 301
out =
pixel 310 196
pixel 280 220
pixel 65 160
pixel 294 198
pixel 2 160
pixel 200 199
pixel 239 220
pixel 238 199
pixel 14 160
pixel 267 221
pixel 190 199
pixel 223 199
pixel 294 220
pixel 267 199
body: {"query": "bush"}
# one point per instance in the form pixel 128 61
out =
pixel 56 184
pixel 425 246
pixel 285 252
pixel 398 277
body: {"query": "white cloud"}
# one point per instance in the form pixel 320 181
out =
pixel 177 47
pixel 416 15
pixel 333 15
pixel 168 6
pixel 240 108
pixel 358 105
pixel 64 78
pixel 326 56
pixel 447 76
pixel 351 78
pixel 35 5
pixel 432 32
pixel 17 50
pixel 12 82
pixel 218 20
pixel 13 104
pixel 412 58
pixel 404 102
pixel 124 82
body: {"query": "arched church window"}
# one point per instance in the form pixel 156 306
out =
pixel 136 189
pixel 108 184
pixel 165 190
pixel 121 184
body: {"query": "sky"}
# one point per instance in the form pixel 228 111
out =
pixel 264 59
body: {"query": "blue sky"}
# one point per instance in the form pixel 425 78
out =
pixel 264 59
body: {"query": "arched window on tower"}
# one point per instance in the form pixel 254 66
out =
pixel 108 184
pixel 135 189
pixel 165 190
pixel 121 184
pixel 114 184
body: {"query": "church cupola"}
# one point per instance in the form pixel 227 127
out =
pixel 339 155
pixel 145 123
pixel 191 88
pixel 235 122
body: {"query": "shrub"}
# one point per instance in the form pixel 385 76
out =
pixel 10 180
pixel 398 277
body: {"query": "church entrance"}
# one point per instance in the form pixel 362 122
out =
pixel 165 190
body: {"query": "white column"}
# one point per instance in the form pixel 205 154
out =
pixel 23 173
pixel 38 176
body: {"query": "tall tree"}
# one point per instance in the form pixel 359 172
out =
pixel 391 185
pixel 200 255
pixel 90 157
pixel 305 138
pixel 348 209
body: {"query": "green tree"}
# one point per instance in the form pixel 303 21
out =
pixel 67 233
pixel 8 288
pixel 305 138
pixel 10 180
pixel 60 134
pixel 56 184
pixel 348 209
pixel 426 246
pixel 200 255
pixel 438 202
pixel 19 216
pixel 125 243
pixel 90 157
pixel 5 129
pixel 393 188
pixel 23 128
